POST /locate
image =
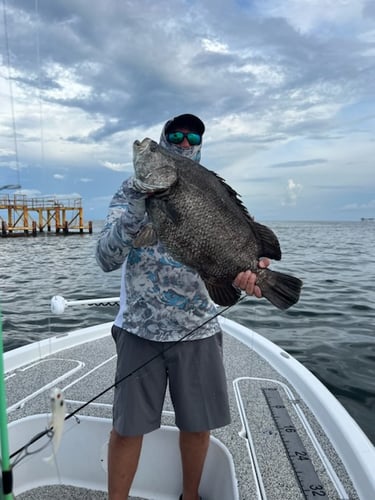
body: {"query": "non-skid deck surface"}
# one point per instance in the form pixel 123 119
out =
pixel 65 493
pixel 86 370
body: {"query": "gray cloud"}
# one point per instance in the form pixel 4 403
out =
pixel 261 81
pixel 299 163
pixel 144 68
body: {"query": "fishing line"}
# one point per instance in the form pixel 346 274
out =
pixel 39 86
pixel 41 129
pixel 7 51
pixel 23 452
pixel 117 382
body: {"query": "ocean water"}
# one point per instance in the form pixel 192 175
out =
pixel 331 330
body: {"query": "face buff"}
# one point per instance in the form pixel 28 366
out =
pixel 192 152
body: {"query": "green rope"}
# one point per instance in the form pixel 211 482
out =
pixel 7 486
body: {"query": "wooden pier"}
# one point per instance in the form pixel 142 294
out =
pixel 23 216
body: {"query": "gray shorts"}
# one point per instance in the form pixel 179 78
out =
pixel 195 373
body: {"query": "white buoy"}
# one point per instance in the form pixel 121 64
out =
pixel 58 304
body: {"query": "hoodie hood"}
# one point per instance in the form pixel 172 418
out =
pixel 192 152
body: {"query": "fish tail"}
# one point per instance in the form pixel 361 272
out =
pixel 282 290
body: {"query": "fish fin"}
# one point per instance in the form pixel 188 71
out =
pixel 146 237
pixel 270 246
pixel 160 203
pixel 49 459
pixel 282 290
pixel 170 212
pixel 234 196
pixel 222 293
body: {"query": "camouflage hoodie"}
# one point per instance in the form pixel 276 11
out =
pixel 161 299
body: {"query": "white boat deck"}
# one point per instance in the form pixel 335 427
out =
pixel 262 465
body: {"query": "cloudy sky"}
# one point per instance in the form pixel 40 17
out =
pixel 285 87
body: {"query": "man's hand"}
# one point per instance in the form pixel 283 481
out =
pixel 246 279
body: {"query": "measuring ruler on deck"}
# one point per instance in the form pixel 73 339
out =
pixel 308 479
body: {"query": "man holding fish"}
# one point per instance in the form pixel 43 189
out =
pixel 164 315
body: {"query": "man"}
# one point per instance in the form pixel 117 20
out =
pixel 162 301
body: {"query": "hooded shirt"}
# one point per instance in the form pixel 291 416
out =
pixel 193 152
pixel 160 299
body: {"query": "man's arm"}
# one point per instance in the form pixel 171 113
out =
pixel 125 217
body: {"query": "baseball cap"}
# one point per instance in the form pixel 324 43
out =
pixel 189 121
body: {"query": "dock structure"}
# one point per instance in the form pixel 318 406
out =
pixel 24 216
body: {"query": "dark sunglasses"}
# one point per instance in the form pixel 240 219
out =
pixel 177 137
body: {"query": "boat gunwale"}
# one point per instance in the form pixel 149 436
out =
pixel 352 445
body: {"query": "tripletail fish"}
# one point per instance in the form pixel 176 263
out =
pixel 203 224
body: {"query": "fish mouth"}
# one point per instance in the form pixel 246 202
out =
pixel 142 145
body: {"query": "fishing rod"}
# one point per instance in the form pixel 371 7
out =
pixel 59 302
pixel 143 365
pixel 7 476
